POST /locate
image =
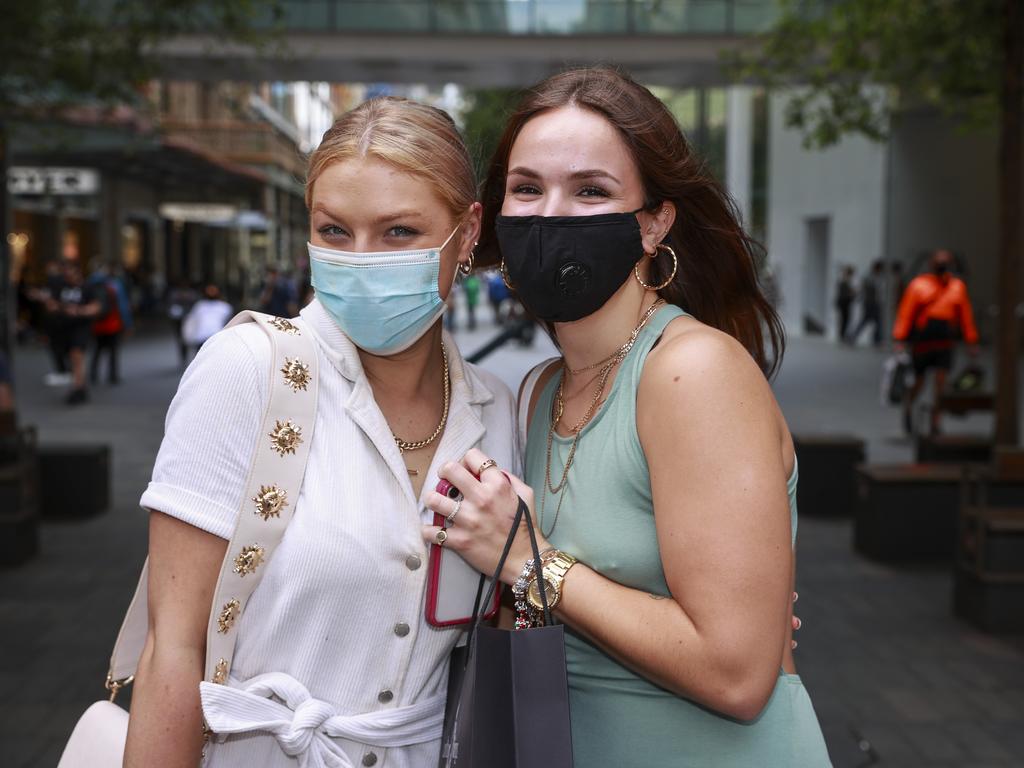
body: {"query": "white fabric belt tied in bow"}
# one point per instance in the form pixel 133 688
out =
pixel 305 727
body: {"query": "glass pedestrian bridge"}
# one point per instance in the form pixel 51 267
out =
pixel 531 17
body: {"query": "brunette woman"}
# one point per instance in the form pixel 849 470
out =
pixel 663 472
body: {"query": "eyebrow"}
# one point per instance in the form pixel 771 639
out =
pixel 590 173
pixel 409 213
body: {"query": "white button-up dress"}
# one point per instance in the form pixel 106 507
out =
pixel 333 649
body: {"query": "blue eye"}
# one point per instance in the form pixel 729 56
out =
pixel 331 230
pixel 400 231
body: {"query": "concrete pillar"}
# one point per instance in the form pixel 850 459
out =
pixel 739 148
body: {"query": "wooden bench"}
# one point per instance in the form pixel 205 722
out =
pixel 828 477
pixel 74 480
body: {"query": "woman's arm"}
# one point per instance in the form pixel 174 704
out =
pixel 165 728
pixel 710 430
pixel 709 427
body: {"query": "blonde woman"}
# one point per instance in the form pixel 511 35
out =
pixel 336 629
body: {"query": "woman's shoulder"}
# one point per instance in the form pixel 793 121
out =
pixel 703 359
pixel 239 355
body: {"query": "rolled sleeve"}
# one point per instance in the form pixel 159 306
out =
pixel 211 431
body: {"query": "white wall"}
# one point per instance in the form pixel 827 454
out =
pixel 944 194
pixel 846 184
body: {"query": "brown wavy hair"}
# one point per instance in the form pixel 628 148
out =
pixel 717 277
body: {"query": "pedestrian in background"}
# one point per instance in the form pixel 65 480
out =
pixel 207 316
pixel 870 305
pixel 279 296
pixel 471 288
pixel 179 301
pixel 845 294
pixel 109 327
pixel 934 313
pixel 497 294
pixel 77 304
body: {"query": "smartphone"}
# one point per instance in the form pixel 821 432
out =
pixel 452 583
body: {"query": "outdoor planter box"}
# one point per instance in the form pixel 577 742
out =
pixel 19 499
pixel 828 478
pixel 955 449
pixel 907 512
pixel 74 480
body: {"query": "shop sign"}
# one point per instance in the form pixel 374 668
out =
pixel 29 180
pixel 200 213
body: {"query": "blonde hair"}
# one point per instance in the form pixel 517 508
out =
pixel 411 136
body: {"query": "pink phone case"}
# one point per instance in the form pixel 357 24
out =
pixel 438 557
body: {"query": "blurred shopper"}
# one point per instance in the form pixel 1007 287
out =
pixel 53 325
pixel 497 294
pixel 77 305
pixel 207 316
pixel 179 301
pixel 934 313
pixel 870 305
pixel 471 290
pixel 452 308
pixel 279 296
pixel 845 294
pixel 111 325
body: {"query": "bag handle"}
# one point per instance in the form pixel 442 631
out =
pixel 522 512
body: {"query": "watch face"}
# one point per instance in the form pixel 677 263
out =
pixel 533 594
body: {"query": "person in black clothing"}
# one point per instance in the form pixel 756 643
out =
pixel 870 305
pixel 845 295
pixel 279 296
pixel 76 305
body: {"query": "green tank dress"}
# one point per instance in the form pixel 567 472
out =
pixel 620 719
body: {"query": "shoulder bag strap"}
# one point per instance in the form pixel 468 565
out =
pixel 529 384
pixel 272 490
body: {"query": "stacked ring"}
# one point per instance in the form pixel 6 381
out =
pixel 450 520
pixel 485 466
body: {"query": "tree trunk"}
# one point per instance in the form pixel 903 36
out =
pixel 1011 238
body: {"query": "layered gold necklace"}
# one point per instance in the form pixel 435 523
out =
pixel 607 365
pixel 405 445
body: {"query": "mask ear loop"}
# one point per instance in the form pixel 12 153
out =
pixel 675 268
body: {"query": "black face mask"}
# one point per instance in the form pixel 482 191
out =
pixel 941 269
pixel 564 268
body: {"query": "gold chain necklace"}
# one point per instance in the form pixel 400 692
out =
pixel 404 445
pixel 558 409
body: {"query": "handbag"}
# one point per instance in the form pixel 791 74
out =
pixel 98 738
pixel 509 693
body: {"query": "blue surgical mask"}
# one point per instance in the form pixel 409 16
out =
pixel 383 301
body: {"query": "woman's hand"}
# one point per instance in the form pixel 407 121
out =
pixel 484 516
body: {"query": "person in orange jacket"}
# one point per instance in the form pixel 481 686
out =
pixel 934 313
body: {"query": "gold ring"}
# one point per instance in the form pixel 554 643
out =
pixel 485 466
pixel 441 537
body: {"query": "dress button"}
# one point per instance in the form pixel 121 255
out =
pixel 370 758
pixel 401 629
pixel 385 696
pixel 413 562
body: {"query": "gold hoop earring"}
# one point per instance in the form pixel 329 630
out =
pixel 675 268
pixel 504 275
pixel 465 269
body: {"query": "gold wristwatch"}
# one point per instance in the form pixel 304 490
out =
pixel 553 573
